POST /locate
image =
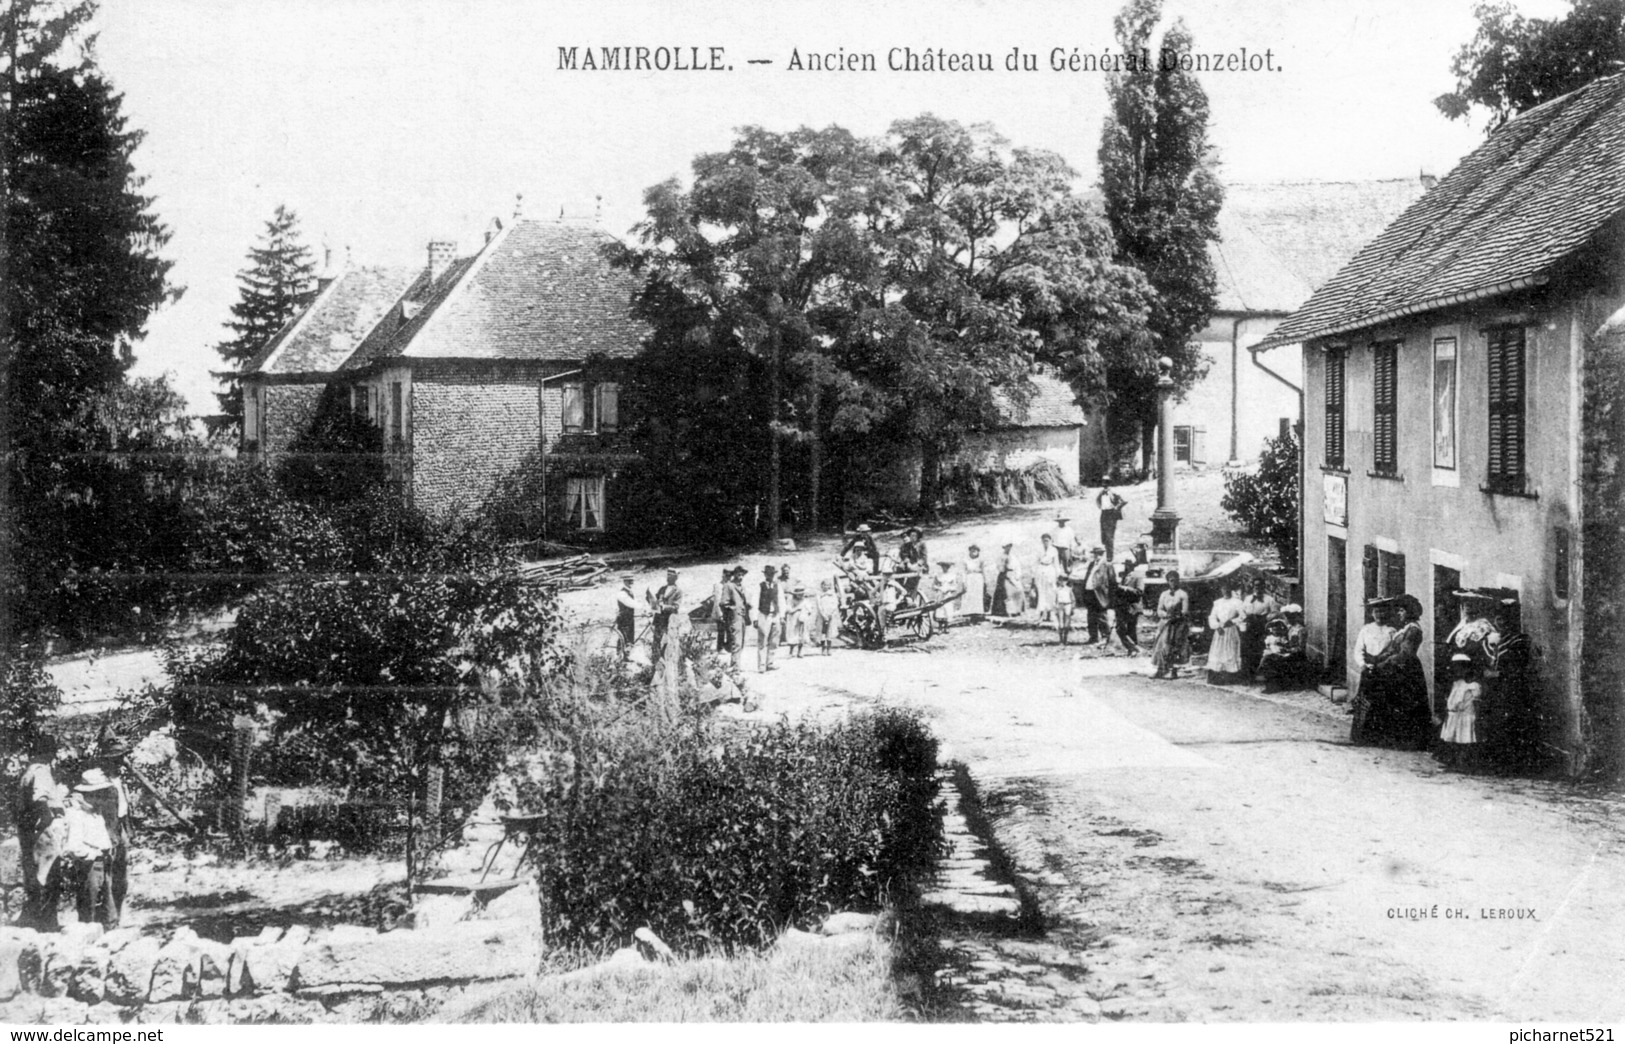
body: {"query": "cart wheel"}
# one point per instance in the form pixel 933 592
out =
pixel 924 625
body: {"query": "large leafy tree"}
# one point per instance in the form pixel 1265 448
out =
pixel 743 261
pixel 273 288
pixel 991 264
pixel 82 272
pixel 1514 63
pixel 1162 199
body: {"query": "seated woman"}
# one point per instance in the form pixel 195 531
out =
pixel 1283 664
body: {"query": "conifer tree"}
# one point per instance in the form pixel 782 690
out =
pixel 276 284
pixel 1162 199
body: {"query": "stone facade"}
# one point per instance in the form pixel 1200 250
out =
pixel 1442 526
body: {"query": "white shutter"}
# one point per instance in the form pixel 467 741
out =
pixel 573 408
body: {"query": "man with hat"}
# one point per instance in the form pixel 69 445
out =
pixel 1128 595
pixel 1099 592
pixel 664 605
pixel 626 608
pixel 716 612
pixel 735 612
pixel 767 619
pixel 864 541
pixel 1065 540
pixel 101 842
pixel 38 807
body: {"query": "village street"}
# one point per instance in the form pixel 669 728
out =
pixel 1213 854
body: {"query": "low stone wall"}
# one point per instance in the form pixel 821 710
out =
pixel 282 974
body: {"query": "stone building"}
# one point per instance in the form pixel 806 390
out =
pixel 495 377
pixel 1279 240
pixel 1459 431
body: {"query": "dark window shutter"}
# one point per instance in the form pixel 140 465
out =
pixel 1334 409
pixel 1393 579
pixel 1385 400
pixel 1506 408
pixel 1369 565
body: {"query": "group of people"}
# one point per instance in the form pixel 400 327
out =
pixel 74 838
pixel 780 611
pixel 1480 713
pixel 1255 637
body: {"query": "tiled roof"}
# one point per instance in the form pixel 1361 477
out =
pixel 1051 406
pixel 540 291
pixel 1280 240
pixel 321 337
pixel 1534 193
pixel 408 315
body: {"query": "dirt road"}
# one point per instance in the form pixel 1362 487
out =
pixel 1214 856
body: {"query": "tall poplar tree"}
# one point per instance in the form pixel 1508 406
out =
pixel 277 283
pixel 1162 199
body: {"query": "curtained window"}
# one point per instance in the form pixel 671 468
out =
pixel 584 503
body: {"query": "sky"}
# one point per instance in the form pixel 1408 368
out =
pixel 385 123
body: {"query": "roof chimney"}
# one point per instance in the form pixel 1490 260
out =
pixel 1428 181
pixel 325 277
pixel 442 252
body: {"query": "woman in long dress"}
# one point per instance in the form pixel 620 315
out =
pixel 1371 689
pixel 973 603
pixel 1224 654
pixel 1047 568
pixel 1009 592
pixel 1172 649
pixel 1409 708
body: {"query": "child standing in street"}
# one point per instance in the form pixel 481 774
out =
pixel 1063 605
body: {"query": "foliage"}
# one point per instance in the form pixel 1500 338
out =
pixel 1266 500
pixel 28 701
pixel 1514 63
pixel 277 283
pixel 338 458
pixel 717 841
pixel 1162 199
pixel 871 295
pixel 82 275
pixel 421 646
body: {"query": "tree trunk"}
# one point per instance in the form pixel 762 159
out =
pixel 773 492
pixel 930 478
pixel 815 465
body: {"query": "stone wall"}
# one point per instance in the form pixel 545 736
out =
pixel 289 409
pixel 1602 551
pixel 472 432
pixel 85 975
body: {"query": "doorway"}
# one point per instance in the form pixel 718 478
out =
pixel 1337 601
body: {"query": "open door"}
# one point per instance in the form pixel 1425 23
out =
pixel 1337 601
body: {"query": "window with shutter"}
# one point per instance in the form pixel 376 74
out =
pixel 1334 408
pixel 1392 582
pixel 1199 446
pixel 1182 444
pixel 1369 573
pixel 1385 408
pixel 574 411
pixel 1505 351
pixel 609 407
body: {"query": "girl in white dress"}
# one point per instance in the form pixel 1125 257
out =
pixel 1224 655
pixel 1048 565
pixel 974 601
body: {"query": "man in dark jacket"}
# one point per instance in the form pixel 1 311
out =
pixel 767 619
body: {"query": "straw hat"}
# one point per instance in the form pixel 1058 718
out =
pixel 95 779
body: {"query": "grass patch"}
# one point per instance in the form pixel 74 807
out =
pixel 816 984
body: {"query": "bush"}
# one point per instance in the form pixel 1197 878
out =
pixel 28 699
pixel 416 648
pixel 1266 500
pixel 717 842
